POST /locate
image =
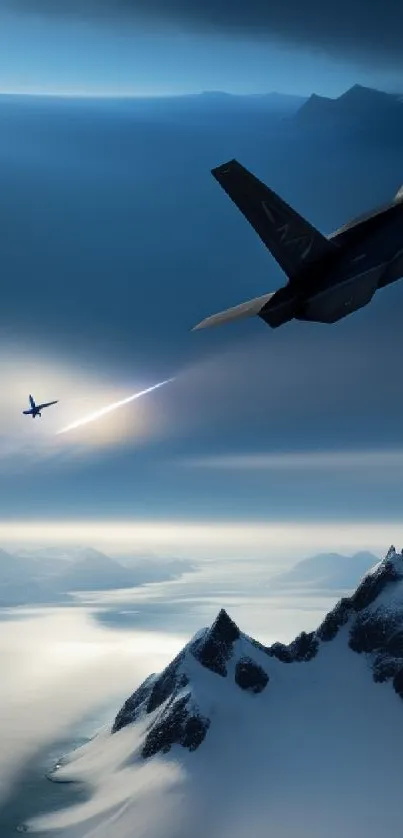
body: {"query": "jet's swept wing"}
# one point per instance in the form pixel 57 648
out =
pixel 248 309
pixel 46 404
pixel 399 195
pixel 291 239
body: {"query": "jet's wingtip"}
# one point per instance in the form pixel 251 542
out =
pixel 223 167
pixel 213 320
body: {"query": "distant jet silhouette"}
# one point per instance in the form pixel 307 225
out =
pixel 35 409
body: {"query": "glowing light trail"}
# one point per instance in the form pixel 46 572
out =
pixel 92 417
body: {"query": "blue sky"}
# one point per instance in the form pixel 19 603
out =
pixel 59 54
pixel 117 240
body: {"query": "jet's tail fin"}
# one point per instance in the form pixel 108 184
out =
pixel 31 400
pixel 292 240
pixel 249 309
pixel 399 195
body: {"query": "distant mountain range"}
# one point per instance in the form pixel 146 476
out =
pixel 361 113
pixel 326 572
pixel 237 739
pixel 51 575
pixel 360 110
pixel 221 99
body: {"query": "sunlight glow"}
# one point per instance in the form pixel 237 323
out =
pixel 92 417
pixel 82 392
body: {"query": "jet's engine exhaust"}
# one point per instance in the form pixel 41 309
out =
pixel 92 417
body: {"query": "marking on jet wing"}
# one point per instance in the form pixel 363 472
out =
pixel 302 244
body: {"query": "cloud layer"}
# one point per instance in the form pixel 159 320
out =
pixel 59 667
pixel 372 35
pixel 306 460
pixel 208 539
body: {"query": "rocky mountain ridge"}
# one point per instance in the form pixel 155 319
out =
pixel 369 622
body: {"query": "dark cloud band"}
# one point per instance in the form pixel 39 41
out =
pixel 370 31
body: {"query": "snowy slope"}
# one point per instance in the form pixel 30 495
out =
pixel 235 740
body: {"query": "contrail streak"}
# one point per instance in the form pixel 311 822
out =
pixel 91 417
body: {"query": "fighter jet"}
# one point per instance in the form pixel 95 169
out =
pixel 35 409
pixel 329 276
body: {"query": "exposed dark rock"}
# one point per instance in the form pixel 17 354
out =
pixel 394 644
pixel 398 681
pixel 167 683
pixel 335 620
pixel 176 726
pixel 373 584
pixel 370 632
pixel 134 705
pixel 213 650
pixel 378 632
pixel 384 668
pixel 304 647
pixel 281 652
pixel 368 590
pixel 151 694
pixel 250 676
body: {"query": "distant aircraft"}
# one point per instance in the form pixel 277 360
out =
pixel 330 276
pixel 35 409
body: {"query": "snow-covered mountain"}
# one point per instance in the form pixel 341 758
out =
pixel 235 739
pixel 326 572
pixel 22 582
pixel 52 574
pixel 94 571
pixel 50 553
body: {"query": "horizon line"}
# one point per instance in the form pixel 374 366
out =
pixel 206 539
pixel 132 95
pixel 77 94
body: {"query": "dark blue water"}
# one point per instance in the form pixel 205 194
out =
pixel 34 793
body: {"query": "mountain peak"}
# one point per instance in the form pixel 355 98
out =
pixel 360 92
pixel 258 719
pixel 392 554
pixel 213 647
pixel 358 108
pixel 175 700
pixel 390 568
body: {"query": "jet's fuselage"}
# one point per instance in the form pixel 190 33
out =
pixel 329 277
pixel 368 256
